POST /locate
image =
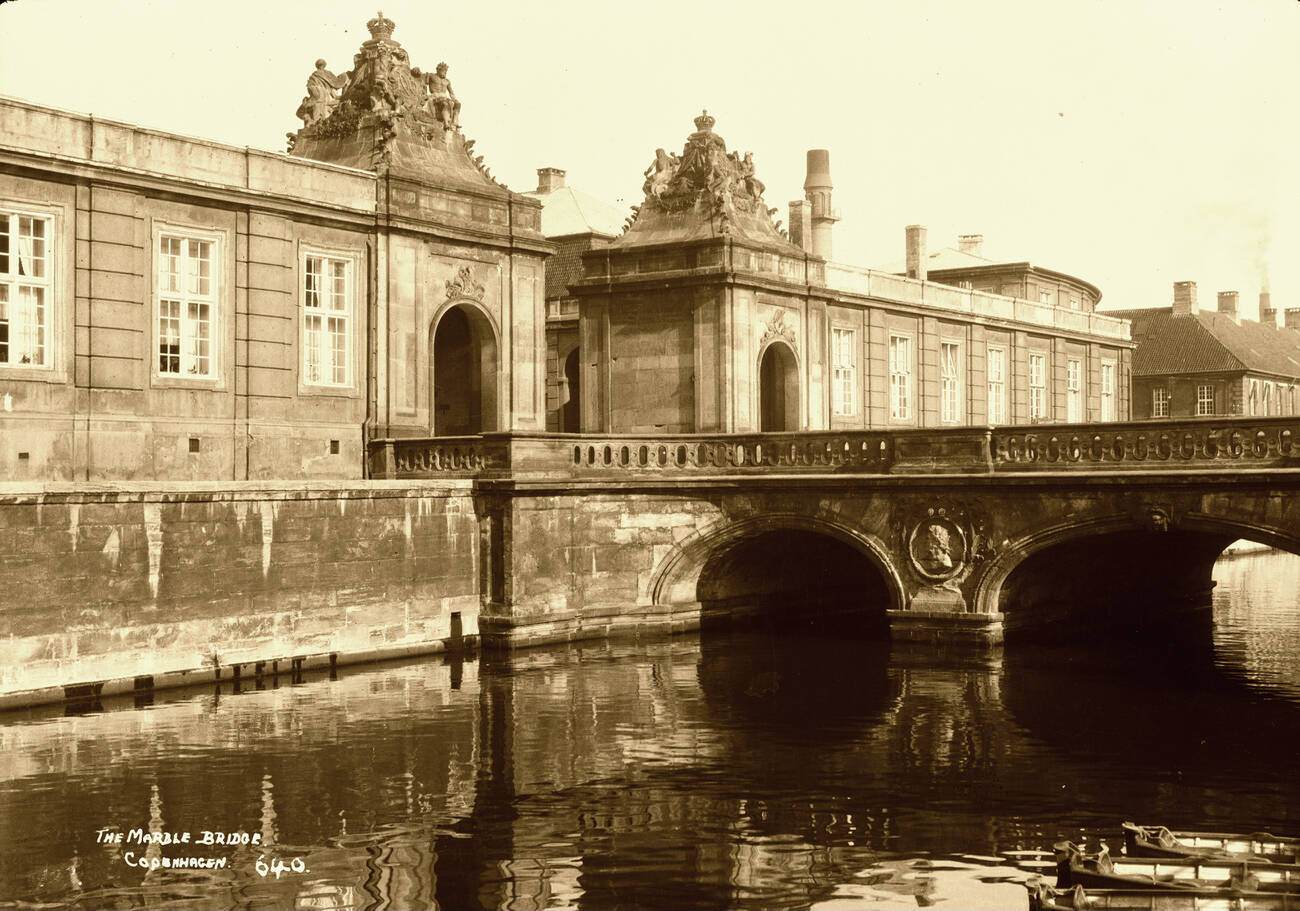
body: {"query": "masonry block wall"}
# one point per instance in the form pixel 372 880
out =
pixel 104 403
pixel 110 585
pixel 652 364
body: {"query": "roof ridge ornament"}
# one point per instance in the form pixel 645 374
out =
pixel 707 179
pixel 381 27
pixel 385 113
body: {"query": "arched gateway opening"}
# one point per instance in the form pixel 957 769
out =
pixel 571 408
pixel 795 580
pixel 463 354
pixel 778 390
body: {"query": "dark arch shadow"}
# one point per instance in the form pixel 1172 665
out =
pixel 1125 582
pixel 571 407
pixel 463 367
pixel 778 397
pixel 793 580
pixel 1129 710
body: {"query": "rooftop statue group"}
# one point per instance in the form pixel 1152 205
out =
pixel 382 81
pixel 325 92
pixel 704 170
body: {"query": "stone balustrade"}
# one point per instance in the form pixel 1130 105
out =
pixel 1210 442
pixel 1151 445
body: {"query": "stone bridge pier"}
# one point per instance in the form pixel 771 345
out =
pixel 961 536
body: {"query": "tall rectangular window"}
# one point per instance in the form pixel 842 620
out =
pixel 1160 402
pixel 1045 297
pixel 844 374
pixel 1037 387
pixel 1268 400
pixel 1073 391
pixel 900 377
pixel 187 296
pixel 1253 398
pixel 997 385
pixel 26 289
pixel 1204 399
pixel 1107 391
pixel 949 383
pixel 327 309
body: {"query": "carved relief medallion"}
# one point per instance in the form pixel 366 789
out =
pixel 777 327
pixel 464 286
pixel 937 547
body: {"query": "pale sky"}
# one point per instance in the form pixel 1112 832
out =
pixel 1133 143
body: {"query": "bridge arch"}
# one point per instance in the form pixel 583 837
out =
pixel 1128 570
pixel 735 569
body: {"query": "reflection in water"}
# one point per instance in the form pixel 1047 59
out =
pixel 743 770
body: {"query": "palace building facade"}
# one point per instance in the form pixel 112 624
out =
pixel 704 317
pixel 172 308
pixel 177 309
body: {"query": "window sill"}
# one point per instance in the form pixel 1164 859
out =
pixel 338 392
pixel 214 383
pixel 20 374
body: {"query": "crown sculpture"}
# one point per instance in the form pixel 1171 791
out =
pixel 384 113
pixel 704 191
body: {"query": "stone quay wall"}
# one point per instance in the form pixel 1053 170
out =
pixel 114 588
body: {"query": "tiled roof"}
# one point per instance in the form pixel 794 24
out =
pixel 569 211
pixel 1208 342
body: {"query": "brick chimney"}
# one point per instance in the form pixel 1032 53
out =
pixel 549 179
pixel 1292 317
pixel 916 261
pixel 971 243
pixel 1267 315
pixel 1228 305
pixel 801 225
pixel 1184 299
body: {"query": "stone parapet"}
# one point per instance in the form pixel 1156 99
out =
pixel 1131 446
pixel 886 286
pixel 31 130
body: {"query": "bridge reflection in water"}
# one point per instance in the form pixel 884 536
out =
pixel 748 769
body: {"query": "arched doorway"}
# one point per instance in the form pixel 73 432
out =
pixel 571 407
pixel 463 351
pixel 778 389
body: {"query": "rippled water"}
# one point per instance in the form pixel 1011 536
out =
pixel 730 770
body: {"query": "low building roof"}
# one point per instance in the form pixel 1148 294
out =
pixel 567 211
pixel 951 260
pixel 1209 342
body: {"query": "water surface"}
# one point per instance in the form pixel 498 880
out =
pixel 723 770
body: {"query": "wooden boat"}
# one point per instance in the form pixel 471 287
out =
pixel 1043 897
pixel 1157 841
pixel 1074 867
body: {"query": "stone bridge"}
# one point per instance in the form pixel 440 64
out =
pixel 955 535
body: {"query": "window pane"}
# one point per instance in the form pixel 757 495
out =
pixel 198 354
pixel 4 324
pixel 4 244
pixel 169 337
pixel 169 265
pixel 338 351
pixel 312 349
pixel 339 284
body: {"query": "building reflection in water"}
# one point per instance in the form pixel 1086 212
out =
pixel 744 770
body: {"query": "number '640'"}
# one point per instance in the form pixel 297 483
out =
pixel 277 866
